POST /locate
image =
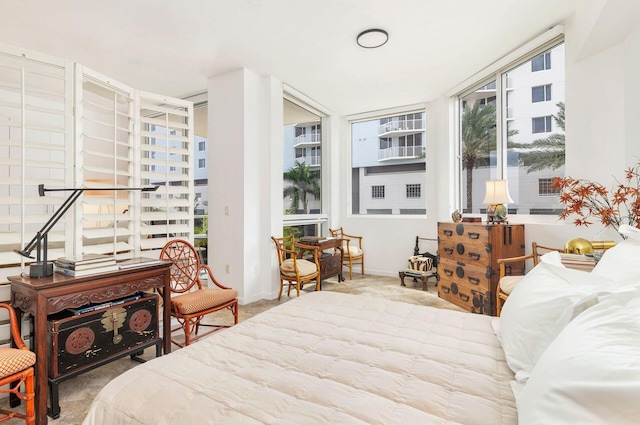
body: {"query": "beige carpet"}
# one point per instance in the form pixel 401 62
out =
pixel 77 393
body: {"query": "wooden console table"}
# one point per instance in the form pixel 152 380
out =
pixel 42 297
pixel 330 264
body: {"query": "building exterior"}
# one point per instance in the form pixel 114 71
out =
pixel 388 165
pixel 531 95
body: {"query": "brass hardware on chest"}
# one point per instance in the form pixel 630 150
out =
pixel 112 321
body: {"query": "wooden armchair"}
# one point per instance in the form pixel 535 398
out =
pixel 294 269
pixel 512 271
pixel 190 302
pixel 352 249
pixel 16 368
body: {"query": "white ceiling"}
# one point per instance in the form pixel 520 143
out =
pixel 171 47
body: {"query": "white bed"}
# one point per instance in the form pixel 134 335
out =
pixel 325 358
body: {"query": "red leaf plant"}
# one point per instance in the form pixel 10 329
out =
pixel 589 201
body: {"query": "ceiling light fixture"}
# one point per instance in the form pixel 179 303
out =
pixel 372 38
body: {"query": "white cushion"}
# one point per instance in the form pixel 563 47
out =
pixel 590 374
pixel 305 268
pixel 621 263
pixel 537 309
pixel 507 283
pixel 354 251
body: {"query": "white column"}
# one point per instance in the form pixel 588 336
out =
pixel 245 135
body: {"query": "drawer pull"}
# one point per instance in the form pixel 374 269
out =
pixel 474 256
pixel 448 272
pixel 474 280
pixel 474 235
pixel 448 251
pixel 464 297
pixel 448 232
pixel 444 289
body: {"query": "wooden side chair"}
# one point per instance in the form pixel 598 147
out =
pixel 190 302
pixel 16 368
pixel 512 271
pixel 294 269
pixel 352 249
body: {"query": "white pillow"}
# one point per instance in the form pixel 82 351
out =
pixel 590 374
pixel 539 308
pixel 620 263
pixel 631 232
pixel 552 257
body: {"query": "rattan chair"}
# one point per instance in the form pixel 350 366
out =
pixel 16 368
pixel 512 271
pixel 352 249
pixel 294 270
pixel 190 302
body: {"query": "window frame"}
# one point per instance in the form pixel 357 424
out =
pixel 320 220
pixel 494 72
pixel 404 112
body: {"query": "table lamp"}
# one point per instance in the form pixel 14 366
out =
pixel 496 197
pixel 41 268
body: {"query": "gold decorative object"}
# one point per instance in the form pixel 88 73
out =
pixel 456 216
pixel 602 245
pixel 578 246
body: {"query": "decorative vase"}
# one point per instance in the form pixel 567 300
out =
pixel 456 216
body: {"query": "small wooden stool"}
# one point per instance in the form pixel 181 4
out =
pixel 424 278
pixel 420 266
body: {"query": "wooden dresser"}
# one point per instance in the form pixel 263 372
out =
pixel 468 265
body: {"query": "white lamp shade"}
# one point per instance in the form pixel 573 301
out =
pixel 497 193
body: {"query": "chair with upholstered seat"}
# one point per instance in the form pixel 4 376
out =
pixel 512 271
pixel 352 249
pixel 190 302
pixel 16 368
pixel 294 269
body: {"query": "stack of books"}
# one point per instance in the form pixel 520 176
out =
pixel 86 265
pixel 137 262
pixel 578 261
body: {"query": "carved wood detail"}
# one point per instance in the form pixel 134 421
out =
pixel 101 295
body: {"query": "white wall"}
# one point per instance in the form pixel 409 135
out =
pixel 602 130
pixel 603 138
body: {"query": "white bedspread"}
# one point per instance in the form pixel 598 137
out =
pixel 324 358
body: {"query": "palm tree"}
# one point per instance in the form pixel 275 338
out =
pixel 302 182
pixel 478 138
pixel 545 153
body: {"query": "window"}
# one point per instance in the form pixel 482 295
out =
pixel 413 191
pixel 388 156
pixel 509 129
pixel 541 93
pixel 202 146
pixel 302 168
pixel 377 192
pixel 541 62
pixel 541 124
pixel 201 163
pixel 545 189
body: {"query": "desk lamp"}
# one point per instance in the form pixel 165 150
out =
pixel 41 268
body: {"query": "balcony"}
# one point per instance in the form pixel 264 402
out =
pixel 312 160
pixel 401 152
pixel 305 140
pixel 400 128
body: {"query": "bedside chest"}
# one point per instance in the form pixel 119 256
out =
pixel 468 267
